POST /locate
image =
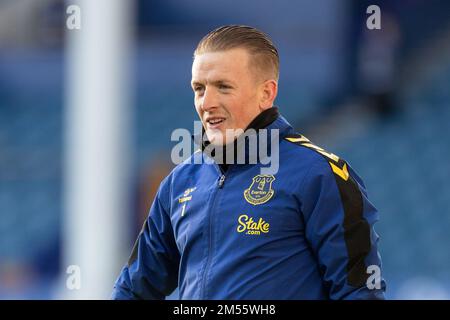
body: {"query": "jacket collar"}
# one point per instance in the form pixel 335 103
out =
pixel 245 149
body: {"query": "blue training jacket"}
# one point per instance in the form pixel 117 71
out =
pixel 305 232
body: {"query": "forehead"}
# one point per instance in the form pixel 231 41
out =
pixel 224 64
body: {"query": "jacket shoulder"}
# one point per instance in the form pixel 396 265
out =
pixel 302 146
pixel 308 151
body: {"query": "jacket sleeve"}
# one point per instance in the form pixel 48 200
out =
pixel 152 269
pixel 339 221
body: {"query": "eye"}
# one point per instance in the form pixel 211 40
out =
pixel 198 88
pixel 224 87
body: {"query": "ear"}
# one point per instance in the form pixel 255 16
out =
pixel 269 90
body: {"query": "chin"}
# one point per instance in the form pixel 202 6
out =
pixel 216 139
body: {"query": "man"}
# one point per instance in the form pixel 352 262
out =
pixel 227 231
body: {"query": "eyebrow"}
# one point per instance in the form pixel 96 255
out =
pixel 215 83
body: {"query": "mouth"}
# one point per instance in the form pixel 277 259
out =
pixel 214 122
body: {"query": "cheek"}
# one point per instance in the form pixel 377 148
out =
pixel 197 107
pixel 238 115
pixel 245 108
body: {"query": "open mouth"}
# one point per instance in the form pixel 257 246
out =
pixel 214 122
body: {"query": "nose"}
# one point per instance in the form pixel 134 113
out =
pixel 209 100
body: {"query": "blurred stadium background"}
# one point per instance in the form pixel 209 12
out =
pixel 378 98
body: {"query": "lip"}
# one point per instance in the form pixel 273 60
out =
pixel 210 125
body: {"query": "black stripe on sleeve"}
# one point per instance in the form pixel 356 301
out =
pixel 356 228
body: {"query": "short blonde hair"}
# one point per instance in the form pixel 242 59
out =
pixel 263 52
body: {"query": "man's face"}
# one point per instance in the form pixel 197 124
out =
pixel 227 93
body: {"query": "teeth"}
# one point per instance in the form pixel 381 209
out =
pixel 215 121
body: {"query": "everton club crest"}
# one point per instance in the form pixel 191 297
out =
pixel 260 191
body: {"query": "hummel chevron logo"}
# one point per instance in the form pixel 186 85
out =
pixel 343 173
